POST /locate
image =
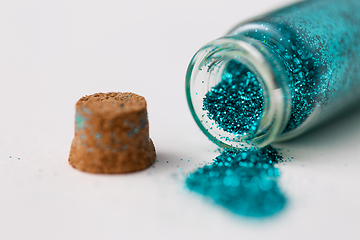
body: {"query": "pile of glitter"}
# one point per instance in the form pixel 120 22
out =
pixel 242 181
pixel 236 103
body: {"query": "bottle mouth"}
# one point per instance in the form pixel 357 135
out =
pixel 206 71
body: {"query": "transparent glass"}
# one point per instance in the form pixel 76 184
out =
pixel 306 58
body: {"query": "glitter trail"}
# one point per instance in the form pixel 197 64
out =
pixel 242 181
pixel 237 96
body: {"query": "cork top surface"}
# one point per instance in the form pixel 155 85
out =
pixel 113 101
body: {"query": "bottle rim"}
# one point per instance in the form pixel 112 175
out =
pixel 205 71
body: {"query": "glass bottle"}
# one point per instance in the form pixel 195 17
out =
pixel 305 57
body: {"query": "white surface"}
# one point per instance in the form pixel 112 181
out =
pixel 54 52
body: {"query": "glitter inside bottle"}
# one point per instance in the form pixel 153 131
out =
pixel 276 76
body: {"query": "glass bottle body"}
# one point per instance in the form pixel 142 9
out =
pixel 306 59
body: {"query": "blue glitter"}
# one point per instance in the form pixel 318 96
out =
pixel 320 54
pixel 312 50
pixel 79 121
pixel 237 96
pixel 143 122
pixel 243 182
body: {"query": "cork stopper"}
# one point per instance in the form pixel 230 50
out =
pixel 111 134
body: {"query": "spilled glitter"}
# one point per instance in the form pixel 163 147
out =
pixel 242 181
pixel 318 43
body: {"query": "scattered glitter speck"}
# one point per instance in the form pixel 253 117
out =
pixel 97 135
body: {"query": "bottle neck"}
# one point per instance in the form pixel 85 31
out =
pixel 205 72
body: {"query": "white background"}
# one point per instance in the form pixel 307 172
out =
pixel 54 52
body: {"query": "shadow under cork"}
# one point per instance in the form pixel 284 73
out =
pixel 166 159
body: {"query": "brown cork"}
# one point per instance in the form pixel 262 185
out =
pixel 111 134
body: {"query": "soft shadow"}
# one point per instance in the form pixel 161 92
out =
pixel 337 130
pixel 164 159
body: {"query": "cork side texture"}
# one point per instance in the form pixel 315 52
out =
pixel 111 134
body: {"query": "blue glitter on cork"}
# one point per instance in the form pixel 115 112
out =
pixel 79 121
pixel 98 135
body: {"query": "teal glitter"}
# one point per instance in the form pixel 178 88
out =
pixel 243 182
pixel 319 43
pixel 80 121
pixel 238 96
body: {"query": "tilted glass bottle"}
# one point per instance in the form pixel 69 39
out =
pixel 306 58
